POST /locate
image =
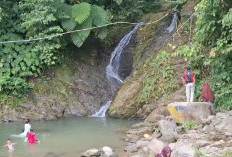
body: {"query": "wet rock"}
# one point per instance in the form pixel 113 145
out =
pixel 91 153
pixel 124 105
pixel 185 111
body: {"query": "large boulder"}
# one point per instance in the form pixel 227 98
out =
pixel 154 147
pixel 223 123
pixel 186 111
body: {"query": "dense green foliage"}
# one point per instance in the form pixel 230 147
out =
pixel 211 51
pixel 30 19
pixel 131 10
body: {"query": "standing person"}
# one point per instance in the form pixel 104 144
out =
pixel 32 137
pixel 10 145
pixel 189 83
pixel 25 131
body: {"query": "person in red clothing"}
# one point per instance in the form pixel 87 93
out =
pixel 207 95
pixel 32 137
pixel 189 83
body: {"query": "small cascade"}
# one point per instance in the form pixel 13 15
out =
pixel 174 23
pixel 102 112
pixel 112 70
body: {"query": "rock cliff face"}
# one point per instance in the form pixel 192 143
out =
pixel 75 88
pixel 153 78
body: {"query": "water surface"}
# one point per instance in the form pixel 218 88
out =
pixel 66 137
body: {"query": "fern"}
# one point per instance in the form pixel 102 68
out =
pixel 81 12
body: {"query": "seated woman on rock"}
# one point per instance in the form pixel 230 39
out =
pixel 166 152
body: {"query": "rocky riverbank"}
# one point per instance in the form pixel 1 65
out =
pixel 197 135
pixel 211 138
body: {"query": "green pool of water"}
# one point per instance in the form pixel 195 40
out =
pixel 66 137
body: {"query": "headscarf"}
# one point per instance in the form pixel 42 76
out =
pixel 165 151
pixel 207 94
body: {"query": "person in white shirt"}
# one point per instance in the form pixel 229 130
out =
pixel 27 128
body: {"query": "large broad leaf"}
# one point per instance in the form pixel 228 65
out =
pixel 80 37
pixel 99 16
pixel 102 33
pixel 63 10
pixel 81 12
pixel 69 24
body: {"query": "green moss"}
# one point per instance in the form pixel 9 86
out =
pixel 12 101
pixel 146 35
pixel 59 84
pixel 157 74
pixel 227 154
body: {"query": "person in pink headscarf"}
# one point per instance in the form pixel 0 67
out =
pixel 207 95
pixel 166 152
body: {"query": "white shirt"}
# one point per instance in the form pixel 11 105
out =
pixel 27 128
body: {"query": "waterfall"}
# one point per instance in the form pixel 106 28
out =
pixel 112 70
pixel 102 111
pixel 174 23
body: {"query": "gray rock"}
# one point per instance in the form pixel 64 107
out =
pixel 167 129
pixel 140 144
pixel 154 147
pixel 183 150
pixel 91 153
pixel 107 152
pixel 131 148
pixel 153 118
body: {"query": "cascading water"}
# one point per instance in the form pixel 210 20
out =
pixel 102 111
pixel 174 23
pixel 112 70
